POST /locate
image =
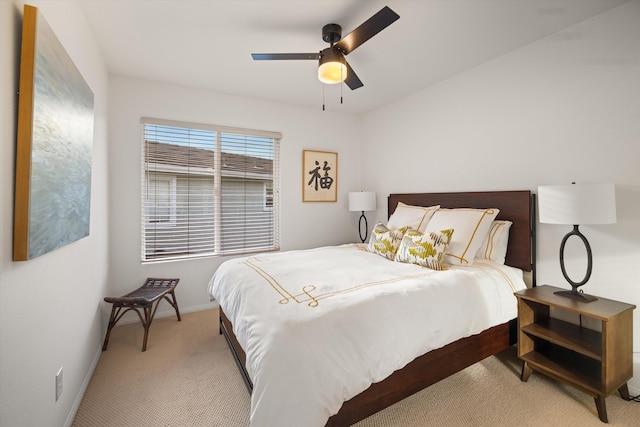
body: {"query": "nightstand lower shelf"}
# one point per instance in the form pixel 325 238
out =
pixel 583 374
pixel 536 362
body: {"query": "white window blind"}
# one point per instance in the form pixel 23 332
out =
pixel 208 190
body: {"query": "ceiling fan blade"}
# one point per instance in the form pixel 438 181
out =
pixel 272 56
pixel 367 29
pixel 352 79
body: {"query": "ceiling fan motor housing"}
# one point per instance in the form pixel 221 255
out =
pixel 331 33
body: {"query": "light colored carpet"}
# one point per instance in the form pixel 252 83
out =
pixel 187 377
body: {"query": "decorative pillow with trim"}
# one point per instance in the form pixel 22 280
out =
pixel 384 241
pixel 471 225
pixel 425 249
pixel 414 216
pixel 494 246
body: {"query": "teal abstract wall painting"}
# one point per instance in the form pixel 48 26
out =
pixel 54 145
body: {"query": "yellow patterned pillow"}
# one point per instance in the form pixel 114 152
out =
pixel 426 249
pixel 385 242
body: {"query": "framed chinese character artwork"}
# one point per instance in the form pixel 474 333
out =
pixel 319 176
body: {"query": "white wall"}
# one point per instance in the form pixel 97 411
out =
pixel 302 224
pixel 563 109
pixel 559 110
pixel 49 306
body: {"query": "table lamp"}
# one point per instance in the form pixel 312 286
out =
pixel 577 204
pixel 362 201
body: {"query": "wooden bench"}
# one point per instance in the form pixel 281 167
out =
pixel 153 290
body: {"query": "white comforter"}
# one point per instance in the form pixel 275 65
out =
pixel 320 326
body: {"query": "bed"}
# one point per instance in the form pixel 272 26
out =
pixel 291 387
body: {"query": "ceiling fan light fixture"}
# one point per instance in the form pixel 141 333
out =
pixel 332 68
pixel 332 65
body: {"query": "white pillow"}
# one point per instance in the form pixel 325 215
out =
pixel 471 227
pixel 415 217
pixel 494 246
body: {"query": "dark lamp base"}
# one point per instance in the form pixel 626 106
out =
pixel 366 227
pixel 575 295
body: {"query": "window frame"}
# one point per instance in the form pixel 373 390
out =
pixel 219 245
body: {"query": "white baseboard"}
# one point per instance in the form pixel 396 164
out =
pixel 634 383
pixel 171 312
pixel 83 388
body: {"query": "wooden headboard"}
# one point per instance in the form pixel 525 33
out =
pixel 515 206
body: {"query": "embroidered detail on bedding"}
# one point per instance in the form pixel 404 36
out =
pixel 306 296
pixel 500 272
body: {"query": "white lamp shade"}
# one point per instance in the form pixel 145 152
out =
pixel 577 204
pixel 362 201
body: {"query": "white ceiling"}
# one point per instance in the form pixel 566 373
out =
pixel 207 44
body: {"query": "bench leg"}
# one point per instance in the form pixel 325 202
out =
pixel 150 312
pixel 173 303
pixel 148 317
pixel 112 322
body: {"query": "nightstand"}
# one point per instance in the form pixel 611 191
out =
pixel 597 362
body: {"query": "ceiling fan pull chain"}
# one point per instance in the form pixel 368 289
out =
pixel 323 97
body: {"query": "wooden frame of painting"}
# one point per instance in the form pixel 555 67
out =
pixel 54 145
pixel 319 176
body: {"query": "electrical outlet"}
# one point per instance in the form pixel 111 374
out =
pixel 59 384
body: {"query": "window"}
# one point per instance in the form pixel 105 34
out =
pixel 208 190
pixel 161 200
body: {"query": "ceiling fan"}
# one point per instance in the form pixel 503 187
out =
pixel 332 65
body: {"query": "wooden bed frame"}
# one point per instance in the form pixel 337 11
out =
pixel 516 206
